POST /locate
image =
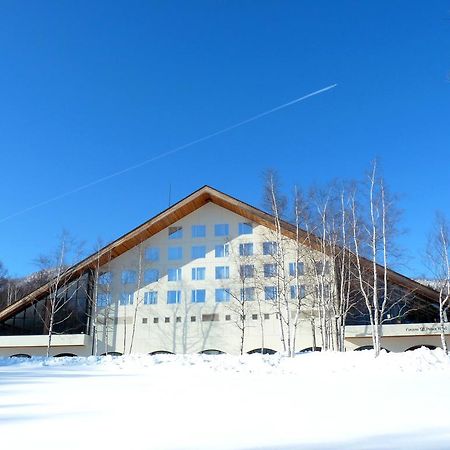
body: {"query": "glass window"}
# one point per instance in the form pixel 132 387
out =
pixel 151 275
pixel 222 250
pixel 126 298
pixel 296 269
pixel 222 272
pixel 105 278
pixel 198 231
pixel 198 251
pixel 174 274
pixel 198 273
pixel 248 294
pixel 173 297
pixel 175 232
pixel 152 254
pixel 270 292
pixel 245 228
pixel 150 298
pixel 221 229
pixel 175 253
pixel 222 295
pixel 155 319
pixel 270 270
pixel 103 299
pixel 294 292
pixel 128 276
pixel 246 249
pixel 247 271
pixel 321 269
pixel 269 248
pixel 198 296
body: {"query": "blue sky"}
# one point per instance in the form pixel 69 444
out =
pixel 88 88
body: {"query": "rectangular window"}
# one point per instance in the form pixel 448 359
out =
pixel 166 319
pixel 174 274
pixel 296 269
pixel 175 232
pixel 228 317
pixel 222 272
pixel 246 249
pixel 248 294
pixel 175 253
pixel 151 298
pixel 103 299
pixel 198 273
pixel 222 295
pixel 144 320
pixel 198 251
pixel 105 278
pixel 222 250
pixel 270 270
pixel 270 292
pixel 128 276
pixel 198 231
pixel 193 318
pixel 173 297
pixel 266 316
pixel 245 228
pixel 151 275
pixel 254 316
pixel 321 269
pixel 126 298
pixel 247 271
pixel 269 248
pixel 155 319
pixel 210 317
pixel 198 296
pixel 152 254
pixel 221 229
pixel 178 319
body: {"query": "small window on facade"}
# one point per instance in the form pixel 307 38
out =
pixel 246 249
pixel 254 316
pixel 210 317
pixel 175 232
pixel 198 251
pixel 152 254
pixel 270 292
pixel 296 269
pixel 103 299
pixel 175 253
pixel 198 231
pixel 166 319
pixel 178 319
pixel 245 228
pixel 193 319
pixel 266 316
pixel 144 320
pixel 270 270
pixel 222 272
pixel 105 278
pixel 227 317
pixel 155 319
pixel 173 297
pixel 198 273
pixel 198 296
pixel 247 271
pixel 126 298
pixel 321 268
pixel 248 294
pixel 174 274
pixel 128 276
pixel 222 250
pixel 222 295
pixel 269 248
pixel 150 298
pixel 221 229
pixel 302 292
pixel 151 275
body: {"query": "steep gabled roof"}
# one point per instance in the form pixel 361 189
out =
pixel 172 215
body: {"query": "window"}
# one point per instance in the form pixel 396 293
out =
pixel 247 271
pixel 222 295
pixel 152 254
pixel 270 292
pixel 320 269
pixel 302 292
pixel 222 250
pixel 150 298
pixel 248 294
pixel 245 228
pixel 166 319
pixel 270 270
pixel 128 276
pixel 198 231
pixel 246 249
pixel 174 274
pixel 126 298
pixel 173 297
pixel 254 316
pixel 198 251
pixel 198 273
pixel 222 272
pixel 155 320
pixel 228 317
pixel 269 248
pixel 151 275
pixel 210 317
pixel 103 300
pixel 296 269
pixel 105 278
pixel 266 316
pixel 144 320
pixel 175 232
pixel 193 319
pixel 198 296
pixel 221 229
pixel 178 319
pixel 175 253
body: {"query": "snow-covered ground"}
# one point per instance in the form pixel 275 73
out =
pixel 314 401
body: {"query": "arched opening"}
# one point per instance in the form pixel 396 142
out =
pixel 264 351
pixel 311 349
pixel 20 355
pixel 430 347
pixel 161 352
pixel 368 347
pixel 212 352
pixel 111 354
pixel 65 355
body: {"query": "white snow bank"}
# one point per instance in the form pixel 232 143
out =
pixel 313 401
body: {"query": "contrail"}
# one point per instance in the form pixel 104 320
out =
pixel 167 153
